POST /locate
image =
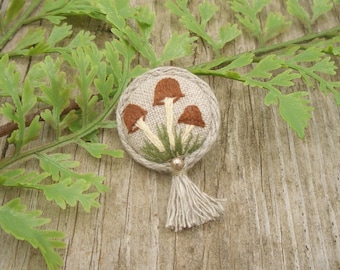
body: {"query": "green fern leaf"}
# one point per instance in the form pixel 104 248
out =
pixel 80 40
pixel 8 111
pixel 32 38
pixel 271 98
pixel 295 111
pixel 141 44
pixel 55 92
pixel 70 192
pixel 22 178
pixel 115 65
pixel 85 60
pixel 311 64
pixel 293 108
pixel 311 54
pixel 207 11
pixel 116 12
pixel 226 34
pixel 22 225
pixel 9 78
pixel 296 10
pixel 98 149
pixel 14 9
pixel 59 33
pixel 285 78
pixel 320 7
pixel 325 66
pixel 60 166
pixel 23 101
pixel 32 131
pixel 275 25
pixel 244 60
pixel 179 45
pixel 247 15
pixel 145 20
pixel 258 5
pixel 52 10
pixel 337 96
pixel 28 99
pixel 264 67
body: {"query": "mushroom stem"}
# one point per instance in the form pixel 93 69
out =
pixel 148 133
pixel 186 134
pixel 169 105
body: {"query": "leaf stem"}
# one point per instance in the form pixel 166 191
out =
pixel 314 76
pixel 10 127
pixel 92 126
pixel 224 61
pixel 21 125
pixel 21 21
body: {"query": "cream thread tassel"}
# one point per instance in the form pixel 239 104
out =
pixel 188 206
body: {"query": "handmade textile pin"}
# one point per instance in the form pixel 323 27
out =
pixel 167 120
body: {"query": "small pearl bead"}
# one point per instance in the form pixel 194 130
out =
pixel 177 163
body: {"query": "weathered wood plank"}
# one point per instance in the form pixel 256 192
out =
pixel 282 193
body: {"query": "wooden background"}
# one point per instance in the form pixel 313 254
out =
pixel 282 193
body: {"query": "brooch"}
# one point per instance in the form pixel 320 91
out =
pixel 167 120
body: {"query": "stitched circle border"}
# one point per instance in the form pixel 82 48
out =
pixel 194 89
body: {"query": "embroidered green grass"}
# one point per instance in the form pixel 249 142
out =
pixel 152 153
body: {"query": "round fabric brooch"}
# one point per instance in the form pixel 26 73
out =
pixel 167 120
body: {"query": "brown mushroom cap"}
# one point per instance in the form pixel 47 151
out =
pixel 192 116
pixel 131 114
pixel 167 87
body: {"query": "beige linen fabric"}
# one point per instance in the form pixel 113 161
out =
pixel 141 93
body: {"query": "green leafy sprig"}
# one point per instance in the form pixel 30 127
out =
pixel 248 16
pixel 319 8
pixel 119 13
pixel 278 65
pixel 207 10
pixel 22 225
pixel 68 187
pixel 18 14
pixel 97 83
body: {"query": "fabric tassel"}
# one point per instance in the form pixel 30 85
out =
pixel 188 206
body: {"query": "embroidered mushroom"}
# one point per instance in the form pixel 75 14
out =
pixel 167 92
pixel 191 117
pixel 134 117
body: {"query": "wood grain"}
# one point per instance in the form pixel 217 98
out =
pixel 282 193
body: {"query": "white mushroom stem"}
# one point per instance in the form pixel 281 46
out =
pixel 148 133
pixel 169 107
pixel 186 134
